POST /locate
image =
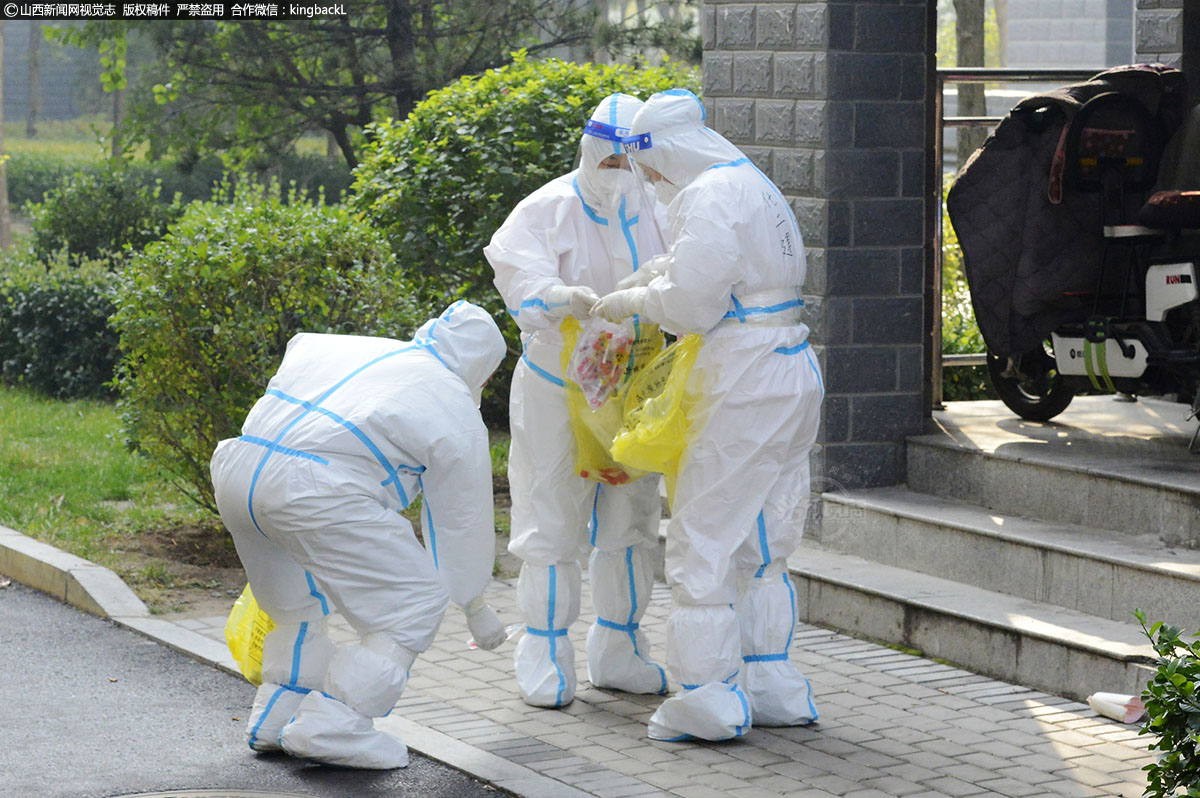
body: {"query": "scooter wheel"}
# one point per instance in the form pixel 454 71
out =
pixel 1032 388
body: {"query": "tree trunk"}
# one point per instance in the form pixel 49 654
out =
pixel 401 45
pixel 118 115
pixel 5 227
pixel 1002 29
pixel 600 54
pixel 35 83
pixel 971 98
pixel 340 135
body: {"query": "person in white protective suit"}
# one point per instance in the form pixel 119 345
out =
pixel 349 431
pixel 573 238
pixel 733 273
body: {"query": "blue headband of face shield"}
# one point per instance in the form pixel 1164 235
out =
pixel 620 135
pixel 606 132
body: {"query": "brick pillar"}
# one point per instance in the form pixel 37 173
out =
pixel 830 99
pixel 1158 31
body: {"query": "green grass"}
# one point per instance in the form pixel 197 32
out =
pixel 66 478
pixel 80 138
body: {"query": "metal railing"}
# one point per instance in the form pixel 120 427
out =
pixel 971 75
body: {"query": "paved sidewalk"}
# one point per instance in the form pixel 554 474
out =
pixel 891 724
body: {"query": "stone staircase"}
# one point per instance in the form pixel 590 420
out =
pixel 1020 550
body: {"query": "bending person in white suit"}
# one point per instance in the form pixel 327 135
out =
pixel 349 431
pixel 574 237
pixel 734 270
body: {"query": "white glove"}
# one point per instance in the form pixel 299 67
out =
pixel 646 272
pixel 573 300
pixel 621 304
pixel 486 628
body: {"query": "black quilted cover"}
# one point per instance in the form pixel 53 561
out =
pixel 1024 255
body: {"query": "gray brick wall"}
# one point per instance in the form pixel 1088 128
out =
pixel 1158 31
pixel 1069 33
pixel 829 99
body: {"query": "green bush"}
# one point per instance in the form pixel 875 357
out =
pixel 94 213
pixel 205 314
pixel 440 182
pixel 1172 713
pixel 960 332
pixel 193 179
pixel 31 175
pixel 54 333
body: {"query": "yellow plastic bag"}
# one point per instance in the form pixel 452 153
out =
pixel 655 423
pixel 244 632
pixel 595 428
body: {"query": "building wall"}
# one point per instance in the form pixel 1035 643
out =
pixel 1159 31
pixel 1069 33
pixel 829 99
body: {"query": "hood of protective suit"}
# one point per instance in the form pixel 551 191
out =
pixel 604 188
pixel 467 341
pixel 680 146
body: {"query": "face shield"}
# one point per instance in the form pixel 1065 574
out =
pixel 650 183
pixel 612 177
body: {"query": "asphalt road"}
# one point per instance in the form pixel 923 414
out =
pixel 89 709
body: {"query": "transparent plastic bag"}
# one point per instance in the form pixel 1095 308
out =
pixel 595 426
pixel 245 630
pixel 599 357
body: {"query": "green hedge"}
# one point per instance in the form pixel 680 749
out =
pixel 204 316
pixel 89 214
pixel 440 182
pixel 54 333
pixel 31 175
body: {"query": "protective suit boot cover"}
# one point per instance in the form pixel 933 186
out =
pixel 714 711
pixel 704 654
pixel 617 648
pixel 329 732
pixel 544 659
pixel 369 678
pixel 295 659
pixel 273 707
pixel 778 693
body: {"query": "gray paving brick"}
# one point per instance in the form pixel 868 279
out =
pixel 910 772
pixel 1010 787
pixel 1090 777
pixel 699 791
pixel 893 785
pixel 892 724
pixel 833 783
pixel 1072 789
pixel 954 787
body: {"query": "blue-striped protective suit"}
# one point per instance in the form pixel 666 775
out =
pixel 350 430
pixel 591 228
pixel 734 273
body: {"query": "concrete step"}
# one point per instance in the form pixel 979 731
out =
pixel 1065 565
pixel 1051 648
pixel 1109 474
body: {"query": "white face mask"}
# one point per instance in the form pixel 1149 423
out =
pixel 665 191
pixel 612 183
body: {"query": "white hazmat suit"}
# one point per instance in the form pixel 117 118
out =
pixel 349 431
pixel 733 273
pixel 573 238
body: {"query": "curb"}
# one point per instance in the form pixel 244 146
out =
pixel 97 590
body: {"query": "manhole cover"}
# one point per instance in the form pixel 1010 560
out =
pixel 215 794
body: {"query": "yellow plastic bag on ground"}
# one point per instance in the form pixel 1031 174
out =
pixel 244 632
pixel 655 422
pixel 595 428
